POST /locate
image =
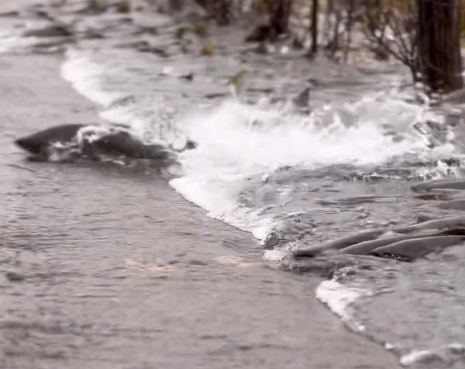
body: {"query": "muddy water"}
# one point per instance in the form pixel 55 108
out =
pixel 107 267
pixel 345 163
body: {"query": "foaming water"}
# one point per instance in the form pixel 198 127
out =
pixel 284 175
pixel 86 77
pixel 339 299
pixel 254 138
pixel 238 142
pixel 291 175
pixel 243 142
pixel 414 309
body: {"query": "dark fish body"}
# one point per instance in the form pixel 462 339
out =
pixel 417 247
pixel 339 243
pixel 39 143
pixel 407 244
pixel 92 142
pixel 123 144
pixel 437 224
pixel 367 247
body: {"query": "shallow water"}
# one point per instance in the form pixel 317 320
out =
pixel 288 176
pixel 103 266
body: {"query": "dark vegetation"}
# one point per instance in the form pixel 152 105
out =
pixel 424 35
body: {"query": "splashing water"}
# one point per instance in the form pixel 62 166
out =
pixel 238 142
pixel 265 166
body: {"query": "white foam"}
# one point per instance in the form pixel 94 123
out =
pixel 86 77
pixel 415 356
pixel 445 353
pixel 14 43
pixel 152 119
pixel 389 346
pixel 275 255
pixel 219 197
pixel 262 138
pixel 92 133
pixel 339 298
pixel 239 142
pixel 456 347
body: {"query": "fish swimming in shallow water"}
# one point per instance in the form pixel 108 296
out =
pixel 406 243
pixel 73 141
pixel 38 144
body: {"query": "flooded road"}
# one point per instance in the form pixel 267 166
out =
pixel 107 267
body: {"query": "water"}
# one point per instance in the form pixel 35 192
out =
pixel 293 178
pixel 104 266
pixel 269 170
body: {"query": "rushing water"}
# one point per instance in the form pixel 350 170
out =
pixel 294 177
pixel 268 169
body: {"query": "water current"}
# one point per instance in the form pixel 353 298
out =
pixel 295 175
